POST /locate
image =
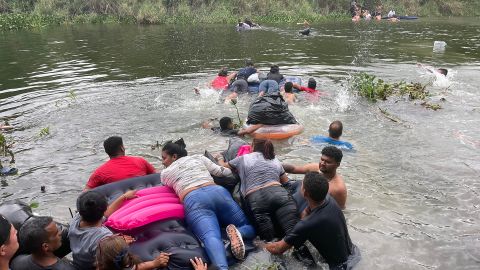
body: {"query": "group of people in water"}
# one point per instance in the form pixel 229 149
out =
pixel 359 12
pixel 266 210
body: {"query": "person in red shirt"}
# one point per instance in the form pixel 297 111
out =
pixel 119 167
pixel 222 80
pixel 311 87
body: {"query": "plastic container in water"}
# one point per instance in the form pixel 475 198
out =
pixel 439 46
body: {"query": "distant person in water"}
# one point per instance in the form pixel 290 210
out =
pixel 323 225
pixel 226 127
pixel 306 28
pixel 335 130
pixel 328 165
pixel 378 12
pixel 119 167
pixel 223 79
pixel 310 88
pixel 440 71
pixel 288 94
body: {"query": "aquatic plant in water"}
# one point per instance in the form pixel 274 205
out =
pixel 5 148
pixel 240 122
pixel 373 88
pixel 44 132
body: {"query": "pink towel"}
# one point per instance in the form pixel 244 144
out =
pixel 244 149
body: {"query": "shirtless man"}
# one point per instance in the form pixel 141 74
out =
pixel 329 162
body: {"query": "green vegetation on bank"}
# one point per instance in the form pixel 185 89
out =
pixel 23 14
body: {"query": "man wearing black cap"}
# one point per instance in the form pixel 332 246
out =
pixel 8 242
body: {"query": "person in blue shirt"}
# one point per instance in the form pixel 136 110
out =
pixel 335 130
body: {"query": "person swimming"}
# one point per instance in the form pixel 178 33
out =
pixel 335 130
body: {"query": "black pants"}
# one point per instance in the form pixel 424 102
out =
pixel 269 206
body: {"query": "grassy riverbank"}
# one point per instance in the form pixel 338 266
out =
pixel 24 14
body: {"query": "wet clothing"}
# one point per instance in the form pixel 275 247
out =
pixel 269 87
pixel 255 171
pixel 25 262
pixel 226 132
pixel 84 241
pixel 191 171
pixel 119 168
pixel 245 72
pixel 220 83
pixel 267 205
pixel 239 86
pixel 326 229
pixel 275 76
pixel 209 208
pixel 324 139
pixel 307 89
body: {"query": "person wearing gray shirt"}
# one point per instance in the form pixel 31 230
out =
pixel 261 175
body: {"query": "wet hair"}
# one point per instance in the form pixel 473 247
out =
pixel 113 145
pixel 312 83
pixel 225 122
pixel 112 253
pixel 316 186
pixel 265 147
pixel 274 69
pixel 175 148
pixel 92 205
pixel 288 87
pixel 248 62
pixel 223 72
pixel 443 71
pixel 333 152
pixel 33 234
pixel 335 129
pixel 5 227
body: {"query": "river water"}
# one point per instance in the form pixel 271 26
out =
pixel 413 183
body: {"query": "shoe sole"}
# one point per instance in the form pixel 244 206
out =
pixel 236 242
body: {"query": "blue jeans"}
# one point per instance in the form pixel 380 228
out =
pixel 208 208
pixel 268 87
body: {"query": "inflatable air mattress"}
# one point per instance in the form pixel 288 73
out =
pixel 277 132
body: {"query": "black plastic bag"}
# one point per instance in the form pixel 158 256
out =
pixel 270 110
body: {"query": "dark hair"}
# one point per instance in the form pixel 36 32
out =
pixel 333 152
pixel 175 148
pixel 92 205
pixel 5 227
pixel 112 253
pixel 113 145
pixel 225 122
pixel 248 62
pixel 312 83
pixel 265 147
pixel 223 72
pixel 443 71
pixel 274 69
pixel 316 186
pixel 288 87
pixel 33 234
pixel 335 129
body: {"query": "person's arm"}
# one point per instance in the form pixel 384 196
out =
pixel 296 86
pixel 277 247
pixel 249 129
pixel 283 178
pixel 198 264
pixel 215 169
pixel 231 76
pixel 118 202
pixel 93 182
pixel 149 167
pixel 161 261
pixel 311 167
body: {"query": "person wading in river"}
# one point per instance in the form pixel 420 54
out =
pixel 329 162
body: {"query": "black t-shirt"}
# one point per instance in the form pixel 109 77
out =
pixel 245 72
pixel 275 76
pixel 326 229
pixel 25 262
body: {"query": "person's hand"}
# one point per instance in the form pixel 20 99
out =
pixel 198 264
pixel 129 239
pixel 161 260
pixel 129 195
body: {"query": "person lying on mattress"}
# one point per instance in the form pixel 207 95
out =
pixel 208 206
